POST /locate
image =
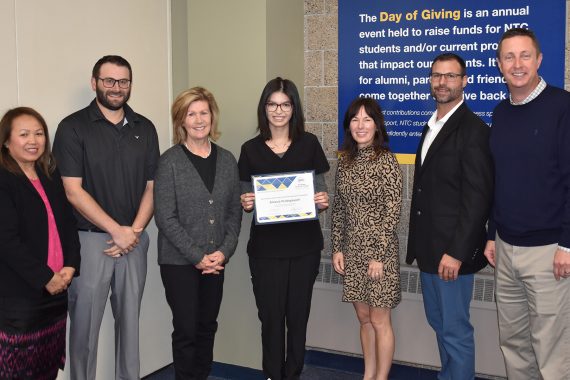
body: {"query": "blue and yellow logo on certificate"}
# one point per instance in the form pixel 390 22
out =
pixel 272 184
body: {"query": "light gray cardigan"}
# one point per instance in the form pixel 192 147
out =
pixel 191 221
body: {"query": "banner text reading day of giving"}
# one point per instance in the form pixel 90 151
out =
pixel 386 49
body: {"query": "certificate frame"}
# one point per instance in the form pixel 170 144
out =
pixel 284 197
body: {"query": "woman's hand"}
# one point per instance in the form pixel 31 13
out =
pixel 217 257
pixel 56 285
pixel 247 201
pixel 375 270
pixel 338 262
pixel 67 274
pixel 322 200
pixel 212 263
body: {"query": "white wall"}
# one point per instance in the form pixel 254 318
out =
pixel 227 55
pixel 48 51
pixel 8 67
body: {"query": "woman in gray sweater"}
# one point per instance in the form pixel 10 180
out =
pixel 198 214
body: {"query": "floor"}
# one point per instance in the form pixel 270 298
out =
pixel 318 366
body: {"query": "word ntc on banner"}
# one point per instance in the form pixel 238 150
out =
pixel 386 49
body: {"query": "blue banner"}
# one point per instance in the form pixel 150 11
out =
pixel 386 49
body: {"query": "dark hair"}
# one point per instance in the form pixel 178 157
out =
pixel 45 162
pixel 179 111
pixel 451 57
pixel 372 108
pixel 115 60
pixel 518 32
pixel 297 122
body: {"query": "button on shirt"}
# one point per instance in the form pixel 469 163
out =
pixel 435 126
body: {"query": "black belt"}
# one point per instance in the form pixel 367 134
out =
pixel 97 230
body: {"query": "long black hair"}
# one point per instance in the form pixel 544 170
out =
pixel 297 122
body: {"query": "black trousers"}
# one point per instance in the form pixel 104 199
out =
pixel 283 289
pixel 195 301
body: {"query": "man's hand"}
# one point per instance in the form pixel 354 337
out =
pixel 489 252
pixel 124 239
pixel 561 264
pixel 448 269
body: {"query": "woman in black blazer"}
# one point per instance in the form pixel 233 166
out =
pixel 39 250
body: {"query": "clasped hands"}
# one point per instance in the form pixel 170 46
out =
pixel 60 280
pixel 212 263
pixel 124 240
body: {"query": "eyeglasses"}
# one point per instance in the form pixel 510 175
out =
pixel 448 76
pixel 285 107
pixel 110 82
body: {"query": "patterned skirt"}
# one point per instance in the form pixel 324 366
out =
pixel 32 337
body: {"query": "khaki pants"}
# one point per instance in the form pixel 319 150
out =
pixel 534 312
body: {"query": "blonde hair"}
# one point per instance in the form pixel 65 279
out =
pixel 180 109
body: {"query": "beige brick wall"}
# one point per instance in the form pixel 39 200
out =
pixel 321 90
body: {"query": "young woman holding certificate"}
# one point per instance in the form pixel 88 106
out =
pixel 283 257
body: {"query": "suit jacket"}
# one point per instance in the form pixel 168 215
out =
pixel 452 195
pixel 24 234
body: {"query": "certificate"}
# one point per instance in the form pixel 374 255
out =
pixel 284 197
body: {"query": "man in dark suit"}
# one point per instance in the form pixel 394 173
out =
pixel 452 191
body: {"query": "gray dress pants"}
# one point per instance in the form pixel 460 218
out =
pixel 125 277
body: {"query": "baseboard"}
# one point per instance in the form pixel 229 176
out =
pixel 230 371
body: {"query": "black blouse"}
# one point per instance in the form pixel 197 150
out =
pixel 206 167
pixel 283 240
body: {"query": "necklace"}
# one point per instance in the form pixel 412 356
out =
pixel 278 147
pixel 209 149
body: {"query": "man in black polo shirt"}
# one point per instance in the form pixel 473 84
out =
pixel 107 155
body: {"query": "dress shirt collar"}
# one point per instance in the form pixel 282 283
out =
pixel 434 123
pixel 538 89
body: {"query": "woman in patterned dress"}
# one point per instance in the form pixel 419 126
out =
pixel 365 214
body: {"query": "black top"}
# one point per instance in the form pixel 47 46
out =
pixel 24 234
pixel 283 239
pixel 206 167
pixel 114 163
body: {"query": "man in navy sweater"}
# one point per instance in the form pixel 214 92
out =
pixel 529 230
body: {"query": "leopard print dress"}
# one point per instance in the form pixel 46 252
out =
pixel 366 211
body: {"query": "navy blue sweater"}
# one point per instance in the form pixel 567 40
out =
pixel 530 145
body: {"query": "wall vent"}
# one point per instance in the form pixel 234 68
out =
pixel 483 287
pixel 327 274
